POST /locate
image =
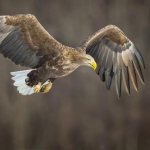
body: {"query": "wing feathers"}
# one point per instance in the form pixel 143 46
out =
pixel 126 79
pixel 118 78
pixel 138 55
pixel 16 49
pixel 133 76
pixel 109 77
pixel 116 56
pixel 23 38
pixel 138 68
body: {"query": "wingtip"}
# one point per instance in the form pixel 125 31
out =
pixel 118 96
pixel 143 82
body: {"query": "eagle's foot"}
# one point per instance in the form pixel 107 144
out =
pixel 37 88
pixel 46 87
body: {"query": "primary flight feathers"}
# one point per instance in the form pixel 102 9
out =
pixel 24 40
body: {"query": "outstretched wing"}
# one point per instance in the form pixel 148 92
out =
pixel 116 56
pixel 24 40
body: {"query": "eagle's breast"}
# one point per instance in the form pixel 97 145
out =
pixel 58 66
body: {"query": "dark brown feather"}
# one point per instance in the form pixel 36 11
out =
pixel 138 68
pixel 133 75
pixel 126 79
pixel 25 41
pixel 118 78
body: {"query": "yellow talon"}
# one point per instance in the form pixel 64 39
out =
pixel 37 88
pixel 46 87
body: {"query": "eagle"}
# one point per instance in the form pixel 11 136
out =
pixel 108 52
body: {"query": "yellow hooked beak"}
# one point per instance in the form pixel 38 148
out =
pixel 93 64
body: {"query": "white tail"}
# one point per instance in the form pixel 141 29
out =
pixel 19 78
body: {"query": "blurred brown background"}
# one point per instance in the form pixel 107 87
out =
pixel 79 113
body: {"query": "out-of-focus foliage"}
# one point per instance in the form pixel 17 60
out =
pixel 79 113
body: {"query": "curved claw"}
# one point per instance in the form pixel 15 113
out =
pixel 46 87
pixel 37 88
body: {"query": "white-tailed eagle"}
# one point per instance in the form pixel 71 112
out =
pixel 109 52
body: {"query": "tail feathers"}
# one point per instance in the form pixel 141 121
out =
pixel 19 78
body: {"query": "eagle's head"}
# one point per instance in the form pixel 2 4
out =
pixel 81 59
pixel 89 61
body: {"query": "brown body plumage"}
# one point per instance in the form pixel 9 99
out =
pixel 24 40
